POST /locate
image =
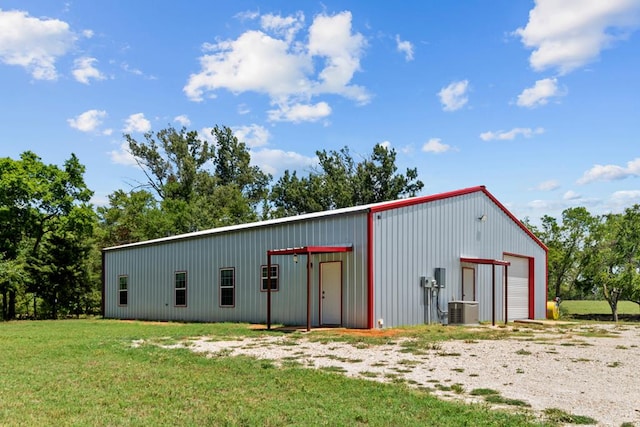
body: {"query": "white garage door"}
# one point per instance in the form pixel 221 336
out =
pixel 518 288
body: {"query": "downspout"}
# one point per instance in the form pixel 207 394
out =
pixel 370 270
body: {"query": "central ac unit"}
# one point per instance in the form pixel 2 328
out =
pixel 463 312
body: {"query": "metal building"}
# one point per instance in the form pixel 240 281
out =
pixel 380 265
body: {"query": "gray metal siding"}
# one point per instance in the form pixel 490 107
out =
pixel 409 242
pixel 151 271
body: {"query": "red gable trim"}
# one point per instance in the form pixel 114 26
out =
pixel 431 198
pixel 424 199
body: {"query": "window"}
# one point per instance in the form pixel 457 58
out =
pixel 227 287
pixel 274 278
pixel 123 290
pixel 181 289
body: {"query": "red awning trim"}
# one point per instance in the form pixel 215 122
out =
pixel 303 250
pixel 310 250
pixel 484 261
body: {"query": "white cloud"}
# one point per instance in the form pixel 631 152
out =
pixel 386 144
pixel 88 34
pixel 275 161
pixel 611 172
pixel 254 62
pixel 280 63
pixel 84 70
pixel 300 112
pixel 435 145
pixel 89 121
pixel 548 185
pixel 405 47
pixel 454 96
pixel 567 34
pixel 123 156
pixel 183 120
pixel 286 26
pixel 243 109
pixel 34 43
pixel 510 134
pixel 625 198
pixel 137 123
pixel 252 135
pixel 331 37
pixel 571 195
pixel 539 94
pixel 247 15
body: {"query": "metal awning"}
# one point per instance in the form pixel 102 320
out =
pixel 302 250
pixel 485 261
pixel 493 263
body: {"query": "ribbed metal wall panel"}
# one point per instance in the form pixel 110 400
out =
pixel 151 270
pixel 410 242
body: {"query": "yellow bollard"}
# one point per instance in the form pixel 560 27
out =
pixel 553 310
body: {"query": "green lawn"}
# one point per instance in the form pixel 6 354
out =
pixel 570 307
pixel 86 373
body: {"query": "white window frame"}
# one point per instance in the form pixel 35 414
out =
pixel 124 290
pixel 224 286
pixel 176 289
pixel 275 279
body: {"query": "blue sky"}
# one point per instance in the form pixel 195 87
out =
pixel 539 101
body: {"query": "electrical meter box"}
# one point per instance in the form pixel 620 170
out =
pixel 441 277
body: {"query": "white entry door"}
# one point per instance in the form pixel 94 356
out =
pixel 331 293
pixel 468 284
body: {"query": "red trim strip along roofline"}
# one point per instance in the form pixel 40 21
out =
pixel 433 197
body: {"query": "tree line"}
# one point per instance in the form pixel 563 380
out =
pixel 593 256
pixel 51 236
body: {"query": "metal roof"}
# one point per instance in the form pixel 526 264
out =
pixel 373 207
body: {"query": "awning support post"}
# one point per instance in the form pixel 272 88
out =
pixel 308 292
pixel 493 295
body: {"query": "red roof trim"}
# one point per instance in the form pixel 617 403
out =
pixel 433 197
pixel 424 199
pixel 516 220
pixel 310 250
pixel 484 261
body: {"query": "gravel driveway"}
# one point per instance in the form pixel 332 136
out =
pixel 589 370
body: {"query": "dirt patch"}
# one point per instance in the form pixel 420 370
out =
pixel 584 370
pixel 372 333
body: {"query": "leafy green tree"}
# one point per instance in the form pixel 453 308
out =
pixel 130 217
pixel 627 249
pixel 565 242
pixel 378 181
pixel 35 200
pixel 198 185
pixel 339 182
pixel 611 264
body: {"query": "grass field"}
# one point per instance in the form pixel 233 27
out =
pixel 86 373
pixel 585 307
